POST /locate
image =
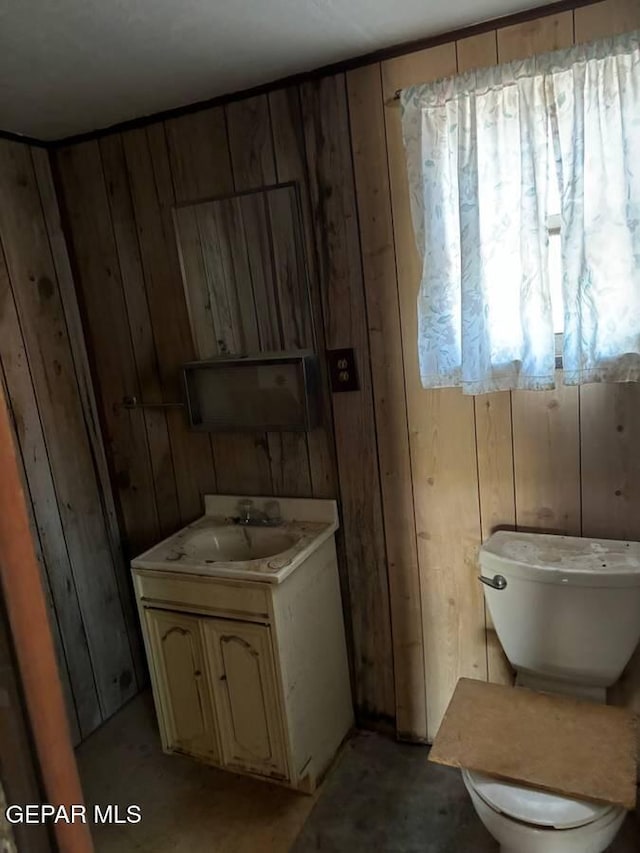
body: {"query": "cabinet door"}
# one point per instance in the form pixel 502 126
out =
pixel 181 686
pixel 246 697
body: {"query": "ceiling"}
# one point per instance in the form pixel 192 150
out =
pixel 70 66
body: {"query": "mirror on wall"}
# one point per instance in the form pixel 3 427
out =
pixel 244 271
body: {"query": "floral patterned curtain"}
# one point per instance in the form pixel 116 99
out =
pixel 486 153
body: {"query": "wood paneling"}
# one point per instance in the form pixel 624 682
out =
pixel 610 414
pixel 526 462
pixel 289 152
pixel 385 340
pixel 66 284
pixel 210 155
pixel 47 378
pixel 201 167
pixel 477 51
pixel 137 333
pixel 546 450
pixel 610 425
pixel 610 483
pixel 423 476
pixel 254 165
pixel 65 618
pixel 609 18
pixel 539 36
pixel 100 289
pixel 245 282
pixel 328 147
pixel 494 446
pixel 152 193
pixel 442 441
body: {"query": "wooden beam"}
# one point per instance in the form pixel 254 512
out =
pixel 27 611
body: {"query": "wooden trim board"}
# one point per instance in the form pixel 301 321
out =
pixel 556 743
pixel 28 619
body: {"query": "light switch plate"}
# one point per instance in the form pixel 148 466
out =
pixel 343 370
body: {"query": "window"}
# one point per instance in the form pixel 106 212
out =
pixel 554 225
pixel 555 284
pixel 555 272
pixel 503 291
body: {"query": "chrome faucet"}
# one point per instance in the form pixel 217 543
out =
pixel 250 516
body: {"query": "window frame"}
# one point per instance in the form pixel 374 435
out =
pixel 554 229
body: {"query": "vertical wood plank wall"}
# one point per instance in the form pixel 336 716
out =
pixel 43 367
pixel 423 476
pixel 558 461
pixel 118 194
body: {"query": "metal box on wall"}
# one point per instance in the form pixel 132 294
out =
pixel 269 391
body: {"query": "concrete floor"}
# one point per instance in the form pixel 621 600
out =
pixel 386 797
pixel 187 807
pixel 380 796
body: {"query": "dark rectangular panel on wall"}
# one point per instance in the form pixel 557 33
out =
pixel 328 147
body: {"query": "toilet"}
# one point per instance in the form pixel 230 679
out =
pixel 567 613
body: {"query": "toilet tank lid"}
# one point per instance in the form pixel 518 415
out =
pixel 562 555
pixel 534 806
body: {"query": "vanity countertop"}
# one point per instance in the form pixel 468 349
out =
pixel 216 546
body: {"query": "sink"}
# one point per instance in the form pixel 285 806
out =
pixel 227 544
pixel 214 545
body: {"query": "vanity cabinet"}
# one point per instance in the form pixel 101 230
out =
pixel 183 693
pixel 250 676
pixel 245 690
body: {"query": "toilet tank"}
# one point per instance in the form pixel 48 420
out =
pixel 570 610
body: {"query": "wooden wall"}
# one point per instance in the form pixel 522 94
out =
pixel 560 461
pixel 118 193
pixel 423 476
pixel 44 368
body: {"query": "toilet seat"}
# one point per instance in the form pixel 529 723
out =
pixel 537 808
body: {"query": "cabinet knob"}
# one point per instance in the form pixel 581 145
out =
pixel 197 673
pixel 223 678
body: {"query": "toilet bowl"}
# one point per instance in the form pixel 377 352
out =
pixel 524 820
pixel 567 613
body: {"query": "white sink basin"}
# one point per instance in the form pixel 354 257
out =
pixel 236 544
pixel 216 546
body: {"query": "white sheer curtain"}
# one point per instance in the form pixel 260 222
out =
pixel 480 157
pixel 596 117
